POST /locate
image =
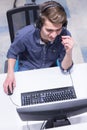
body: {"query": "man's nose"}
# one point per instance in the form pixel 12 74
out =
pixel 54 34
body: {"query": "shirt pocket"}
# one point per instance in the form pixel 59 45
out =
pixel 35 53
pixel 52 54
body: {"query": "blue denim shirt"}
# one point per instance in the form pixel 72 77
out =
pixel 32 54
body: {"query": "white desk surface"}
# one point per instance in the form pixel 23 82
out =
pixel 37 80
pixel 79 76
pixel 9 120
pixel 73 127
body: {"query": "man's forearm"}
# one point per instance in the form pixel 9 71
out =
pixel 11 64
pixel 67 62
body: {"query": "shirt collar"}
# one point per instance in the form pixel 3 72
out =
pixel 42 42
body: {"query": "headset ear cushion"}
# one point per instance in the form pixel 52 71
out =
pixel 39 23
pixel 65 24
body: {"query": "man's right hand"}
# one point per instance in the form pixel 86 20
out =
pixel 9 82
pixel 10 79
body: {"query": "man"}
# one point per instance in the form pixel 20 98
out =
pixel 41 46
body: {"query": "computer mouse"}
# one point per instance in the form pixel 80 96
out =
pixel 9 91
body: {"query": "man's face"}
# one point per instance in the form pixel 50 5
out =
pixel 49 31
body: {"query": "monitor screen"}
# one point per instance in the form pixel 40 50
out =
pixel 55 110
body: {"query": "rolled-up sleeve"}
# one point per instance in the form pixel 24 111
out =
pixel 16 47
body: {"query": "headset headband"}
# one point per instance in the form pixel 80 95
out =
pixel 48 6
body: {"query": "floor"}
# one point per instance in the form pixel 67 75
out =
pixel 77 24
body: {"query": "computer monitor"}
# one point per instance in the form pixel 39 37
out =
pixel 56 113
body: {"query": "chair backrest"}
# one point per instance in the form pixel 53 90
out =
pixel 19 17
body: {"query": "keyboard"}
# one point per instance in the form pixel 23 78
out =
pixel 49 95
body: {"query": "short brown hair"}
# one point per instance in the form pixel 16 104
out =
pixel 54 12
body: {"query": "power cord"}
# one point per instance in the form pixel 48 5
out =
pixel 43 125
pixel 28 126
pixel 71 78
pixel 41 128
pixel 14 4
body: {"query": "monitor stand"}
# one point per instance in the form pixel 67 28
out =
pixel 56 123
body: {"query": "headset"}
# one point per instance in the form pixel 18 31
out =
pixel 39 23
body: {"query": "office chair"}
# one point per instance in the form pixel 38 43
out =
pixel 19 17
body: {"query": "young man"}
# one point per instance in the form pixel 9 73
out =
pixel 40 46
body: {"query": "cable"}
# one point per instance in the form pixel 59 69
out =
pixel 41 128
pixel 28 126
pixel 13 102
pixel 18 106
pixel 43 125
pixel 71 78
pixel 14 4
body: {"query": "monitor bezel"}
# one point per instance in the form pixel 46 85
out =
pixel 57 109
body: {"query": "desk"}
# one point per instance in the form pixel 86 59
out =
pixel 9 119
pixel 73 127
pixel 79 76
pixel 38 80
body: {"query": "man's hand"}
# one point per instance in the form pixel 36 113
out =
pixel 68 43
pixel 9 82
